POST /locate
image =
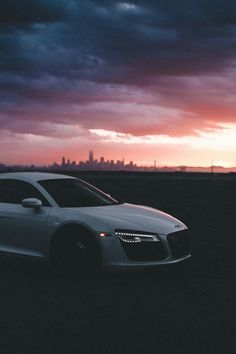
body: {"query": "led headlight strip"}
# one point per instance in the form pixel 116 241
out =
pixel 133 237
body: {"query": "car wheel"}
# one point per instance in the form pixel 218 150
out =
pixel 75 255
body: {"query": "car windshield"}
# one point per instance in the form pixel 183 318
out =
pixel 70 193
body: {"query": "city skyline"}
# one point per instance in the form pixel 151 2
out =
pixel 93 163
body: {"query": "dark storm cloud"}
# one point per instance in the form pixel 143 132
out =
pixel 25 12
pixel 58 54
pixel 73 35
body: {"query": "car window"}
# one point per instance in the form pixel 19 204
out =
pixel 76 193
pixel 14 191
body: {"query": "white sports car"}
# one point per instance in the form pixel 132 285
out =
pixel 76 226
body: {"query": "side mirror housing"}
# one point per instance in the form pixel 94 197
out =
pixel 31 203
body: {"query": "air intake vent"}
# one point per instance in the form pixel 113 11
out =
pixel 180 243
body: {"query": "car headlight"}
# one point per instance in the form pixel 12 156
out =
pixel 136 236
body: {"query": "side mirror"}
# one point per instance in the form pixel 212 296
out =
pixel 31 203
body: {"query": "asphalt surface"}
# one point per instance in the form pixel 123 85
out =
pixel 183 309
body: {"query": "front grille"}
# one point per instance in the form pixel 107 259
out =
pixel 180 243
pixel 144 251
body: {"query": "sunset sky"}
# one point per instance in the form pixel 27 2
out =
pixel 145 80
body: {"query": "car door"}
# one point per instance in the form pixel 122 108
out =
pixel 22 230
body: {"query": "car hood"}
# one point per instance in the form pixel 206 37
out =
pixel 129 216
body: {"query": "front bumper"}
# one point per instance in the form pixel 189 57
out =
pixel 172 248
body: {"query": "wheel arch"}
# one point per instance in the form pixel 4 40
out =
pixel 73 228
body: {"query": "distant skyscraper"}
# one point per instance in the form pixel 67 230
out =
pixel 63 161
pixel 91 158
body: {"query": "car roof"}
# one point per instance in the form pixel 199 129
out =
pixel 32 176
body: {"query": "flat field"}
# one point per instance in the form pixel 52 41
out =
pixel 173 310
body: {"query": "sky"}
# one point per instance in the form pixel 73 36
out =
pixel 145 80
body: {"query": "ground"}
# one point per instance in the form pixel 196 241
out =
pixel 174 310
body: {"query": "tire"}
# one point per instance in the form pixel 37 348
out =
pixel 75 255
